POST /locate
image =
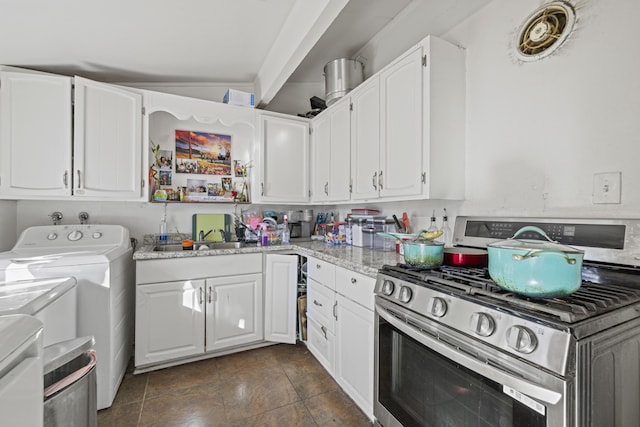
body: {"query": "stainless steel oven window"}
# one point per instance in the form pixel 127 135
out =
pixel 417 386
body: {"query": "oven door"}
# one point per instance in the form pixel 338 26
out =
pixel 427 375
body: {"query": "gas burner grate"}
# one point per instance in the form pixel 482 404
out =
pixel 589 300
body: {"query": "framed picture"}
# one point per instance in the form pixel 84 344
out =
pixel 203 153
pixel 164 159
pixel 196 186
pixel 165 177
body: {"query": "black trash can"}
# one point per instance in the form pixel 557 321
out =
pixel 70 394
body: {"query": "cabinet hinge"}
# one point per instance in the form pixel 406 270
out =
pixel 142 183
pixel 310 131
pixel 73 94
pixel 351 106
pixel 424 60
pixel 144 111
pixel 309 193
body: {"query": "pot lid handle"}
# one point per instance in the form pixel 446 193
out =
pixel 534 229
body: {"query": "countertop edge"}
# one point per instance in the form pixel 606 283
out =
pixel 362 260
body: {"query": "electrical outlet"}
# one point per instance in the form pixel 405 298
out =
pixel 606 187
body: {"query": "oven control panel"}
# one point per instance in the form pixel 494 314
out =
pixel 523 338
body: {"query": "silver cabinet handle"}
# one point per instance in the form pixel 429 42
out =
pixel 210 294
pixel 200 291
pixel 380 180
pixel 324 331
pixel 315 302
pixel 353 280
pixel 335 313
pixel 373 180
pixel 65 179
pixel 326 188
pixel 262 188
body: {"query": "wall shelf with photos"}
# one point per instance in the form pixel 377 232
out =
pixel 200 158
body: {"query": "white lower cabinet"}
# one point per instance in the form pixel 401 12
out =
pixel 169 321
pixel 341 328
pixel 233 311
pixel 190 306
pixel 354 352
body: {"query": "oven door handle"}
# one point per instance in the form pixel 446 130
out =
pixel 494 373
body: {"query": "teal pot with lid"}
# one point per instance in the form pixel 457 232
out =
pixel 537 268
pixel 423 253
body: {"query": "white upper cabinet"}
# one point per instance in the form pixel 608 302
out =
pixel 35 135
pixel 330 154
pixel 401 126
pixel 36 139
pixel 284 159
pixel 443 118
pixel 107 149
pixel 365 140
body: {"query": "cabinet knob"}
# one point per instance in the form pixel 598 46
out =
pixel 353 280
pixel 318 266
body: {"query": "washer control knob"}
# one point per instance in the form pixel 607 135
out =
pixel 75 235
pixel 52 236
pixel 405 294
pixel 96 235
pixel 482 324
pixel 438 306
pixel 521 339
pixel 388 287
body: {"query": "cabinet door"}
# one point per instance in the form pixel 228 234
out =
pixel 169 321
pixel 340 142
pixel 280 298
pixel 320 157
pixel 354 352
pixel 107 151
pixel 234 311
pixel 401 126
pixel 284 159
pixel 35 135
pixel 365 140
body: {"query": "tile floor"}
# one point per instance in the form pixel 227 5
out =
pixel 280 385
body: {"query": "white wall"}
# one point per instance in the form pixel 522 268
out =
pixel 8 223
pixel 537 132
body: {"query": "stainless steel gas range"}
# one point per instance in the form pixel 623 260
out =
pixel 454 349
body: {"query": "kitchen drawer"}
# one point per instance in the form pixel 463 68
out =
pixel 322 272
pixel 321 344
pixel 356 287
pixel 321 304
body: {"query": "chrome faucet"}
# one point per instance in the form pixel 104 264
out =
pixel 223 234
pixel 202 235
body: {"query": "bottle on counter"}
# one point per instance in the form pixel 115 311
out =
pixel 286 234
pixel 447 235
pixel 432 224
pixel 162 235
pixel 264 235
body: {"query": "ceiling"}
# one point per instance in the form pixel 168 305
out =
pixel 264 42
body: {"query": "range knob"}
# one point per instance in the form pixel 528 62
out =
pixel 482 324
pixel 388 287
pixel 96 235
pixel 52 236
pixel 521 339
pixel 75 235
pixel 438 306
pixel 405 294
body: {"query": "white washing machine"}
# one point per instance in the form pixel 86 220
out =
pixel 100 258
pixel 21 371
pixel 52 301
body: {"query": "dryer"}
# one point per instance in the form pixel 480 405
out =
pixel 100 258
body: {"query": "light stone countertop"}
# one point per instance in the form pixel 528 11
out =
pixel 362 260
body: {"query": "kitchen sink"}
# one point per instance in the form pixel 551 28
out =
pixel 197 245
